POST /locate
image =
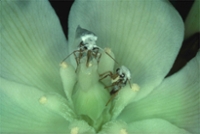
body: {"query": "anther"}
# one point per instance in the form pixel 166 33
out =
pixel 43 100
pixel 135 87
pixel 74 130
pixel 63 65
pixel 123 131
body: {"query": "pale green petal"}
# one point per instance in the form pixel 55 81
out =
pixel 176 100
pixel 114 127
pixel 145 36
pixel 29 110
pixel 154 126
pixel 32 44
pixel 80 127
pixel 192 23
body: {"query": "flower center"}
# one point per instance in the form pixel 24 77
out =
pixel 89 94
pixel 74 130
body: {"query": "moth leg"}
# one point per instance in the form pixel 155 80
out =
pixel 106 74
pixel 89 54
pixel 114 84
pixel 98 57
pixel 111 98
pixel 77 58
pixel 69 55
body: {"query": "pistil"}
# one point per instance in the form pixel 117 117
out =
pixel 88 94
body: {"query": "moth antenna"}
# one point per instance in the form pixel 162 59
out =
pixel 109 55
pixel 68 56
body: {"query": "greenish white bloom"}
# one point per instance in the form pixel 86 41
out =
pixel 40 95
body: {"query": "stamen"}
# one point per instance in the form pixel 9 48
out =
pixel 58 104
pixel 125 96
pixel 74 130
pixel 68 77
pixel 123 131
pixel 107 61
pixel 43 100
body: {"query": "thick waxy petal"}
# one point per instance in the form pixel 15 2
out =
pixel 25 109
pixel 80 127
pixel 114 127
pixel 68 76
pixel 155 126
pixel 175 100
pixel 192 23
pixel 32 44
pixel 145 36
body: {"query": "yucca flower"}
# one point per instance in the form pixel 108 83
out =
pixel 40 95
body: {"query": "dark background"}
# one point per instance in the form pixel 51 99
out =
pixel 189 47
